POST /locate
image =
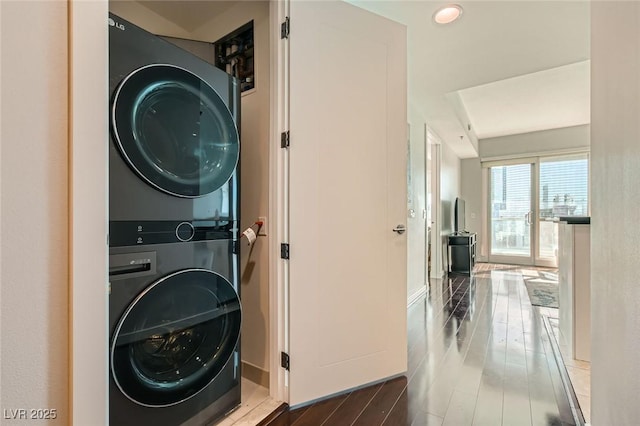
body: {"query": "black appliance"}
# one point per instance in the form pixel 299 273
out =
pixel 174 318
pixel 173 159
pixel 174 307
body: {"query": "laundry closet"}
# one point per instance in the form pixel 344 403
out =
pixel 234 38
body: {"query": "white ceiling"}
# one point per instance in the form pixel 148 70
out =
pixel 505 67
pixel 488 69
pixel 558 97
pixel 188 14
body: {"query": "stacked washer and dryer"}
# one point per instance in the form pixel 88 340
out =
pixel 174 307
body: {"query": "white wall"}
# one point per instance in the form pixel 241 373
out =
pixel 34 232
pixel 416 195
pixel 449 190
pixel 561 140
pixel 615 192
pixel 471 192
pixel 145 18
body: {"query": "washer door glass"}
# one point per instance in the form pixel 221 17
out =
pixel 175 337
pixel 175 131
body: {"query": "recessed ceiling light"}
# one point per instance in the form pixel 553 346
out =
pixel 447 14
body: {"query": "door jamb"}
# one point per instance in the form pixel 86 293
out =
pixel 434 143
pixel 278 202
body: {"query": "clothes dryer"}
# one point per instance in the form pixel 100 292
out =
pixel 175 147
pixel 175 319
pixel 174 307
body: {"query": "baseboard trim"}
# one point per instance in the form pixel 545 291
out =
pixel 417 295
pixel 350 390
pixel 556 357
pixel 255 374
pixel 438 274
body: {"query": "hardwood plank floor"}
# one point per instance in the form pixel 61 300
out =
pixel 478 354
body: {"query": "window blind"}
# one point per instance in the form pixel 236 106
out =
pixel 564 187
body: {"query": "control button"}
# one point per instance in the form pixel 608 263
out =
pixel 185 231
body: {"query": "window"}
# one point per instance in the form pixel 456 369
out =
pixel 510 209
pixel 526 198
pixel 563 191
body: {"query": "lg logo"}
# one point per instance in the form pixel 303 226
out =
pixel 118 25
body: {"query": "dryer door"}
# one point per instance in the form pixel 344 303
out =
pixel 175 337
pixel 174 131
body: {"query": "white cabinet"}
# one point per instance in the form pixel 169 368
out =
pixel 574 262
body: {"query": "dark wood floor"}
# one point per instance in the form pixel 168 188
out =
pixel 479 354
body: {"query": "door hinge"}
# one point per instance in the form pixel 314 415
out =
pixel 284 28
pixel 284 139
pixel 284 251
pixel 235 248
pixel 284 360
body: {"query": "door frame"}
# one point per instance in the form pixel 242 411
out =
pixel 88 213
pixel 434 143
pixel 88 329
pixel 278 202
pixel 426 212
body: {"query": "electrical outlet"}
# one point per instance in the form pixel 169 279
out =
pixel 263 229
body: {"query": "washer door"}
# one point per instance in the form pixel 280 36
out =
pixel 175 131
pixel 175 337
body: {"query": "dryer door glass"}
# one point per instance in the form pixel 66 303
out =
pixel 175 131
pixel 175 338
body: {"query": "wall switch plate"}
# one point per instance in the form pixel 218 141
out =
pixel 262 232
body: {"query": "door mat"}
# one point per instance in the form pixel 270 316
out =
pixel 542 292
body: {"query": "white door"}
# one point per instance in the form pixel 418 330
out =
pixel 347 192
pixel 511 213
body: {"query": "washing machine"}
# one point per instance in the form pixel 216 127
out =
pixel 174 307
pixel 174 151
pixel 175 319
